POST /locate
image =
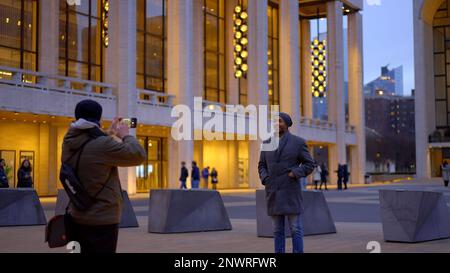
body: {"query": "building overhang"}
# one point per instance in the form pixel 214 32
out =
pixel 313 9
pixel 439 145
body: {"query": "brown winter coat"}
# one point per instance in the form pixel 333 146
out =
pixel 100 160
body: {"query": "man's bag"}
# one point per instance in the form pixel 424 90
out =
pixel 75 190
pixel 56 234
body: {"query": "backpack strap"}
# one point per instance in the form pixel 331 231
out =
pixel 76 171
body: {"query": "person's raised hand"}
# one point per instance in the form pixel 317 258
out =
pixel 113 128
pixel 122 130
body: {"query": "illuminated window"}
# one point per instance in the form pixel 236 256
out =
pixel 441 36
pixel 214 50
pixel 273 54
pixel 18 34
pixel 151 65
pixel 80 40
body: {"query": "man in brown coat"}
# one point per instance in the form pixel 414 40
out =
pixel 97 228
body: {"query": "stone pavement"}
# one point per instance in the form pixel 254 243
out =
pixel 355 212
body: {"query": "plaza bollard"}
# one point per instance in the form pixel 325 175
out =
pixel 317 218
pixel 414 216
pixel 128 220
pixel 20 207
pixel 183 211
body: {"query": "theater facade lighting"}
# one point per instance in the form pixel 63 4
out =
pixel 240 41
pixel 105 22
pixel 319 68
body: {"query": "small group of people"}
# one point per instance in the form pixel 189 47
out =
pixel 343 176
pixel 320 175
pixel 195 176
pixel 24 175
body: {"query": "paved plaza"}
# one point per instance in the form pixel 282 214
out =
pixel 356 213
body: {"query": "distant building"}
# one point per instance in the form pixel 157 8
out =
pixel 390 83
pixel 390 133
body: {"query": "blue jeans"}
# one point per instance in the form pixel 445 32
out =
pixel 195 184
pixel 296 225
pixel 183 184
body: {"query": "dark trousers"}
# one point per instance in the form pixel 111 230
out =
pixel 446 183
pixel 345 183
pixel 339 183
pixel 94 239
pixel 323 182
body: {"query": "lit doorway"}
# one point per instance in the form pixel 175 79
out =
pixel 152 174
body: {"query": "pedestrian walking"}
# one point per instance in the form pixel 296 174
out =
pixel 184 174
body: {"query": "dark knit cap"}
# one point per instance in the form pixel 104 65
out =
pixel 89 110
pixel 286 118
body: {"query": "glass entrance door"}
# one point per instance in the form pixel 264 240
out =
pixel 150 175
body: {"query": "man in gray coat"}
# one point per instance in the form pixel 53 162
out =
pixel 280 172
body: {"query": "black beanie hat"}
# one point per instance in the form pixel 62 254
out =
pixel 89 110
pixel 287 119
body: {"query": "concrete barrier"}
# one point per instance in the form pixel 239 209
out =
pixel 128 220
pixel 182 211
pixel 414 216
pixel 20 207
pixel 317 218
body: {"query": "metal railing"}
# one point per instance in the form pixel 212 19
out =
pixel 317 123
pixel 54 83
pixel 154 98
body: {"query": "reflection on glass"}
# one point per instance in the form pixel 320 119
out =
pixel 441 36
pixel 273 58
pixel 151 44
pixel 152 174
pixel 18 34
pixel 214 50
pixel 80 42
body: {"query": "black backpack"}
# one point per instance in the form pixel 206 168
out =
pixel 75 189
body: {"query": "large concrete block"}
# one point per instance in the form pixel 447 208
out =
pixel 317 218
pixel 128 220
pixel 20 207
pixel 181 211
pixel 414 216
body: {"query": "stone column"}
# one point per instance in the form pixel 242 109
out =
pixel 289 62
pixel 257 74
pixel 121 70
pixel 336 105
pixel 47 160
pixel 49 36
pixel 424 93
pixel 181 75
pixel 305 71
pixel 356 96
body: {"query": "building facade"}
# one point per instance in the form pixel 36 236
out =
pixel 432 92
pixel 390 135
pixel 390 83
pixel 140 58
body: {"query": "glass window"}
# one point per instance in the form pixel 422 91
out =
pixel 151 44
pixel 273 54
pixel 18 34
pixel 214 50
pixel 80 40
pixel 152 174
pixel 441 38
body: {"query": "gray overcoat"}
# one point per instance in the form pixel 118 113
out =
pixel 283 193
